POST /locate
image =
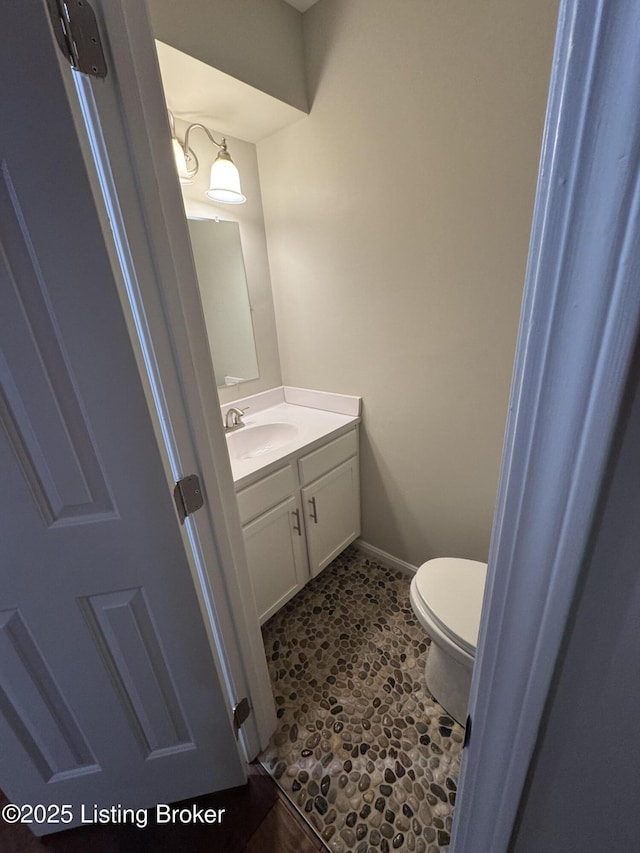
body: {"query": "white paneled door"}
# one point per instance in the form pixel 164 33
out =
pixel 109 694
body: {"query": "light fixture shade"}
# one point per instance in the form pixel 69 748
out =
pixel 224 185
pixel 181 162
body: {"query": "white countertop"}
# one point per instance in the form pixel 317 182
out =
pixel 314 427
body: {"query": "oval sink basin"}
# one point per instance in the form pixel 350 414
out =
pixel 252 441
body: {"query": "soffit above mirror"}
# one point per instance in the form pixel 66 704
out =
pixel 301 5
pixel 197 92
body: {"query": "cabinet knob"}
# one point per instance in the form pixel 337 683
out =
pixel 296 526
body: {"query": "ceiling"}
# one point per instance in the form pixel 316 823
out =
pixel 301 5
pixel 219 101
pixel 196 92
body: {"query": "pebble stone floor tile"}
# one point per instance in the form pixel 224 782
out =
pixel 362 749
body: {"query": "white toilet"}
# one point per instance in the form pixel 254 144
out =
pixel 446 596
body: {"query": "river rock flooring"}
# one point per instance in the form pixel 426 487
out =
pixel 361 748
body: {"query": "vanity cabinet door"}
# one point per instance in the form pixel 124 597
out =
pixel 332 514
pixel 274 544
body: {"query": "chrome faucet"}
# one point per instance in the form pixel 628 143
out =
pixel 233 419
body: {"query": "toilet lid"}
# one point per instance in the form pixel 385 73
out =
pixel 451 590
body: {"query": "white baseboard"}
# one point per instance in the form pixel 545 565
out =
pixel 383 557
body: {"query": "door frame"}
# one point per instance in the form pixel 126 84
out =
pixel 578 332
pixel 123 126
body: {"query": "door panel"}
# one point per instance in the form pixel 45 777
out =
pixel 36 710
pixel 109 691
pixel 123 631
pixel 40 408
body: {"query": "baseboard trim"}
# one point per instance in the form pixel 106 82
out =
pixel 383 557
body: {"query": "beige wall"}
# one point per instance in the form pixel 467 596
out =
pixel 256 41
pixel 398 218
pixel 254 248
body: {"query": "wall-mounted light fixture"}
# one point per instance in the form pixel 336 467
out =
pixel 224 183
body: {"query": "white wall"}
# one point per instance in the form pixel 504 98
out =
pixel 254 247
pixel 398 218
pixel 256 41
pixel 583 787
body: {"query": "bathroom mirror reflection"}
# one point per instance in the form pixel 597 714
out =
pixel 217 251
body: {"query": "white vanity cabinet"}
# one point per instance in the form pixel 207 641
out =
pixel 297 519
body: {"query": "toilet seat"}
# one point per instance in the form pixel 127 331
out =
pixel 450 591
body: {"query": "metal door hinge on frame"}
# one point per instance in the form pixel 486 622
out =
pixel 241 714
pixel 76 31
pixel 467 732
pixel 188 496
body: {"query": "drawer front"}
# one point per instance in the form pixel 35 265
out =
pixel 261 496
pixel 315 464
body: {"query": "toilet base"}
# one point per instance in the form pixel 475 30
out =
pixel 449 682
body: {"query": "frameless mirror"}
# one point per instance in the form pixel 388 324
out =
pixel 217 252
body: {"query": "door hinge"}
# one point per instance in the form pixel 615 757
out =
pixel 467 732
pixel 76 31
pixel 241 714
pixel 188 496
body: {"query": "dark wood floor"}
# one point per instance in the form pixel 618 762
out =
pixel 258 819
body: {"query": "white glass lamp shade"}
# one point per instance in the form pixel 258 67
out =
pixel 224 185
pixel 181 162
